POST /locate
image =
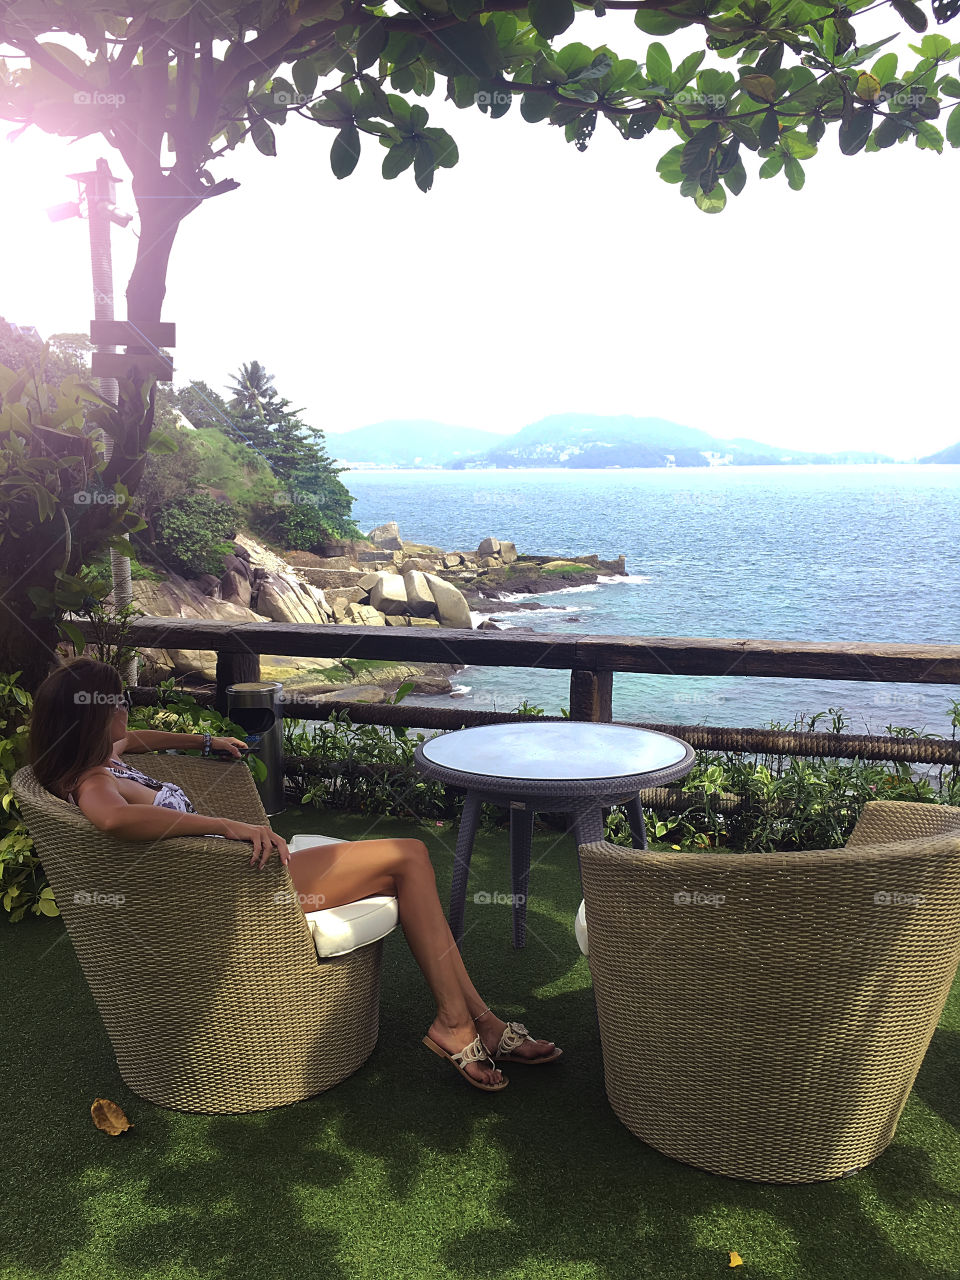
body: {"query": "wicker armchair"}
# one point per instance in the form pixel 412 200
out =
pixel 764 1015
pixel 204 972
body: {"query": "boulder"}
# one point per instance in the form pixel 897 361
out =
pixel 349 595
pixel 489 562
pixel 508 552
pixel 208 584
pixel 318 597
pixel 364 616
pixel 425 566
pixel 423 622
pixel 488 547
pixel 349 547
pixel 487 625
pixel 397 620
pixel 388 593
pixel 340 608
pixel 387 536
pixel 335 562
pixel 377 558
pixel 284 599
pixel 367 580
pixel 420 601
pixel 238 565
pixel 240 551
pixel 451 606
pixel 328 578
pixel 235 586
pixel 452 559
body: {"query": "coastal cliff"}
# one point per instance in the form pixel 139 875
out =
pixel 378 581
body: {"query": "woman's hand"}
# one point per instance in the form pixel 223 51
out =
pixel 262 838
pixel 235 747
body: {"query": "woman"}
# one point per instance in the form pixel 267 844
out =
pixel 78 730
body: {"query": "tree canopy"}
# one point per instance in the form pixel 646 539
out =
pixel 173 86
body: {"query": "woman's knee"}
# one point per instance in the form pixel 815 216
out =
pixel 413 854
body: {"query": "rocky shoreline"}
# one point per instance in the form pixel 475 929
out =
pixel 378 581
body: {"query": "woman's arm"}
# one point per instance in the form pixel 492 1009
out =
pixel 100 800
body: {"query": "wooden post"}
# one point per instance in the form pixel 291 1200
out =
pixel 591 695
pixel 234 667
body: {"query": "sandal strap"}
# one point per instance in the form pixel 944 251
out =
pixel 514 1035
pixel 474 1052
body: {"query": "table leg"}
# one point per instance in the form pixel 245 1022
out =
pixel 521 842
pixel 638 829
pixel 461 863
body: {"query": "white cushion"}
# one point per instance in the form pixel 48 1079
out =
pixel 580 928
pixel 339 930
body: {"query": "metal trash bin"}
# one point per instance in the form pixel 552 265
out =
pixel 255 706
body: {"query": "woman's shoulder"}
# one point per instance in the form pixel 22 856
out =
pixel 95 771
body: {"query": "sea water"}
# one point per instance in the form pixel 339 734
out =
pixel 866 553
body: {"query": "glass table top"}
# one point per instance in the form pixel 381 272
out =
pixel 555 750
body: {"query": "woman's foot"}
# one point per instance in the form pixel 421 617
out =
pixel 455 1039
pixel 491 1030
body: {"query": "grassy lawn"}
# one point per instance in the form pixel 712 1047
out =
pixel 403 1170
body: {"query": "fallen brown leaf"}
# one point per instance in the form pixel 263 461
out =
pixel 108 1116
pixel 735 1259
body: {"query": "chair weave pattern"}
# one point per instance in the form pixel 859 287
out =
pixel 205 974
pixel 764 1015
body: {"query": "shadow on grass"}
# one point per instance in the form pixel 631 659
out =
pixel 403 1170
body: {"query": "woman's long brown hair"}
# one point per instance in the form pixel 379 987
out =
pixel 70 722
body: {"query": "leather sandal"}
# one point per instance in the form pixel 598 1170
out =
pixel 514 1035
pixel 474 1052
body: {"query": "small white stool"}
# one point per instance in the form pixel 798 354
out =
pixel 339 930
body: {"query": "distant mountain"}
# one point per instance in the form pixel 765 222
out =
pixel 408 442
pixel 589 440
pixel 576 440
pixel 950 454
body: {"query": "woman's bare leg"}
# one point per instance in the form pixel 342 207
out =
pixel 330 875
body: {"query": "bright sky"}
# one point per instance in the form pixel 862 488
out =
pixel 534 279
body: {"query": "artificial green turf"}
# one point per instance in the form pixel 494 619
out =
pixel 403 1171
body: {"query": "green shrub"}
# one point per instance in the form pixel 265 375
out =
pixel 192 535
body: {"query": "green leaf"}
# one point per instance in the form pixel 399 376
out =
pixel 399 157
pixel 445 151
pixel 712 202
pixel 418 117
pixel 550 17
pixel 929 137
pixel 345 151
pixel 912 15
pixel 74 635
pixel 889 132
pixel 885 68
pixel 687 69
pixel 698 151
pixel 659 24
pixel 372 41
pixel 855 131
pixel 760 88
pixel 771 167
pixel 668 165
pixel 736 178
pixel 659 68
pixel 934 46
pixel 536 106
pixel 162 442
pixel 305 77
pixel 951 85
pixel 423 165
pixel 263 136
pixel 953 127
pixel 799 146
pixel 794 171
pixel 769 130
pixel 740 129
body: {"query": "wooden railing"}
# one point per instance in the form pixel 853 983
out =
pixel 592 662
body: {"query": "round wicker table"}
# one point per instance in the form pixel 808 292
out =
pixel 575 767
